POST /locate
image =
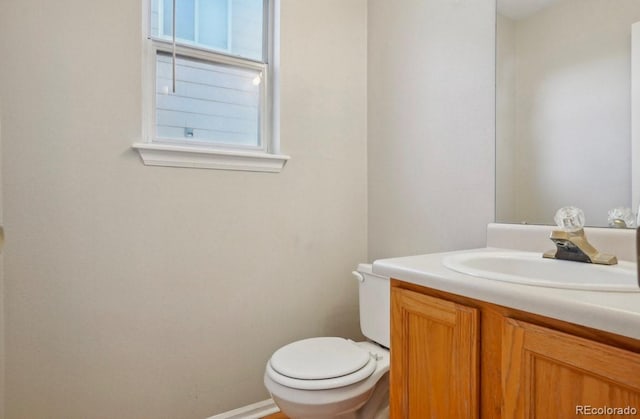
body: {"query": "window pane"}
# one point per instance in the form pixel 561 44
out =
pixel 230 26
pixel 247 28
pixel 213 24
pixel 185 18
pixel 213 103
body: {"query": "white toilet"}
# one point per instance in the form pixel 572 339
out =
pixel 331 377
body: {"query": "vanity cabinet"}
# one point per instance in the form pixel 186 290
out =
pixel 454 357
pixel 434 364
pixel 549 373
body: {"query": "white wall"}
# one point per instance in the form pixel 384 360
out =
pixel 506 184
pixel 430 125
pixel 148 292
pixel 635 115
pixel 572 92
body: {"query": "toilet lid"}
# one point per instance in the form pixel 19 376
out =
pixel 319 358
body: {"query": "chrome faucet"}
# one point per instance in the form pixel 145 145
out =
pixel 571 242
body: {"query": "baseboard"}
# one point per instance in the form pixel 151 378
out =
pixel 253 411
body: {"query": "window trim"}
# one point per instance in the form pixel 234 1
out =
pixel 155 154
pixel 156 151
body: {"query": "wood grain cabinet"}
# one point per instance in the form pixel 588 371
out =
pixel 546 373
pixel 434 359
pixel 456 357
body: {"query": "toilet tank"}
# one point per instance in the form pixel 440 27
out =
pixel 374 304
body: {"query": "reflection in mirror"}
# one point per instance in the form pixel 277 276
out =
pixel 563 108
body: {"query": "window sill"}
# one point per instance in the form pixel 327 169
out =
pixel 208 158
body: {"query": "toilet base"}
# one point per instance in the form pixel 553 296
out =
pixel 370 405
pixel 377 407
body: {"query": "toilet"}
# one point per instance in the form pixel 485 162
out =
pixel 332 377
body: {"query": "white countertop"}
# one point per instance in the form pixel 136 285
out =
pixel 615 312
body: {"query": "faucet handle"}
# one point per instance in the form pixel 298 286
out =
pixel 569 219
pixel 620 217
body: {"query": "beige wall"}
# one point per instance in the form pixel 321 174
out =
pixel 146 292
pixel 430 125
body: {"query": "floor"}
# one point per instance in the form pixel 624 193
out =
pixel 276 416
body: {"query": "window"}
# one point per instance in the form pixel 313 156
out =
pixel 211 96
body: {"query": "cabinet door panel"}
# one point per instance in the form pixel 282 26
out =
pixel 434 358
pixel 549 374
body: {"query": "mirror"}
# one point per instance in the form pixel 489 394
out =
pixel 563 108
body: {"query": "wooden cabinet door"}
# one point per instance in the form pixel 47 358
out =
pixel 549 374
pixel 434 358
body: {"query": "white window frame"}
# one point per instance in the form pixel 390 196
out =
pixel 266 157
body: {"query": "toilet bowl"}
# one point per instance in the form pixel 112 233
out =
pixel 332 377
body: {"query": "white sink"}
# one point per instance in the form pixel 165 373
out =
pixel 531 268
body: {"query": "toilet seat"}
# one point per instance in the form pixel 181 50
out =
pixel 320 364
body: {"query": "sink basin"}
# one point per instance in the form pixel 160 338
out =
pixel 531 268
